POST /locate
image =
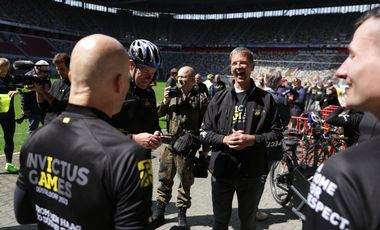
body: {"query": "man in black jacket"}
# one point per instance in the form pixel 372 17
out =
pixel 54 102
pixel 239 123
pixel 79 172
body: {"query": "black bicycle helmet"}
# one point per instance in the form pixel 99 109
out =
pixel 145 52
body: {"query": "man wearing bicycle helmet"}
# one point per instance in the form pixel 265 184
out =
pixel 138 117
pixel 344 192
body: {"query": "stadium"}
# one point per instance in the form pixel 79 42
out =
pixel 305 40
pixel 288 34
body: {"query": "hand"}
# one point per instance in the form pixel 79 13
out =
pixel 147 140
pixel 12 93
pixel 238 140
pixel 158 133
pixel 166 96
pixel 38 88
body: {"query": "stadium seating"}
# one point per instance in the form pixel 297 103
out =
pixel 41 28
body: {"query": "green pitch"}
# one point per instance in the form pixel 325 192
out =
pixel 21 132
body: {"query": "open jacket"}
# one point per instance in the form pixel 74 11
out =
pixel 262 120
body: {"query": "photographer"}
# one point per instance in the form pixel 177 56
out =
pixel 38 77
pixel 185 107
pixel 54 102
pixel 7 112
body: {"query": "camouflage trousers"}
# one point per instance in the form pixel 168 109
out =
pixel 170 164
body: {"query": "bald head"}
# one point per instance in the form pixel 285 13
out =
pixel 4 67
pixel 99 73
pixel 186 78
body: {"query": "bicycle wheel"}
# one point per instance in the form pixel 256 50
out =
pixel 280 181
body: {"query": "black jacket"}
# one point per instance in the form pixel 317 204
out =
pixel 262 121
pixel 139 112
pixel 349 121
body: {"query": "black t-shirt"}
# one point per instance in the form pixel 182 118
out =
pixel 345 191
pixel 82 173
pixel 239 114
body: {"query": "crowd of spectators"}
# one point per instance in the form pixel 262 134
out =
pixel 58 18
pixel 312 29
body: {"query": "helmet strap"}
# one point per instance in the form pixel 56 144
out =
pixel 134 72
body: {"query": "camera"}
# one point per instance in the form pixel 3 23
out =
pixel 25 73
pixel 23 81
pixel 174 92
pixel 166 139
pixel 29 80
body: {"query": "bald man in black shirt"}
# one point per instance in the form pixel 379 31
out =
pixel 79 172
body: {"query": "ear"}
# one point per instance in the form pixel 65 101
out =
pixel 69 76
pixel 118 83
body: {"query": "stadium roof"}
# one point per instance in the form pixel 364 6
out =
pixel 221 6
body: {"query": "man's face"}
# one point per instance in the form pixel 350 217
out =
pixel 62 70
pixel 217 78
pixel 42 71
pixel 3 69
pixel 144 75
pixel 184 80
pixel 241 68
pixel 361 69
pixel 297 83
pixel 198 78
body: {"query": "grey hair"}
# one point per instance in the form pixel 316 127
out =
pixel 272 79
pixel 244 50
